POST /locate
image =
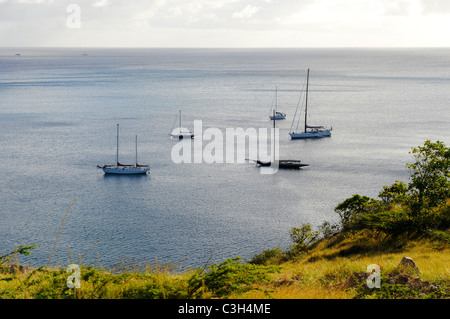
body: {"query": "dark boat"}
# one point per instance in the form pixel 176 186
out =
pixel 293 164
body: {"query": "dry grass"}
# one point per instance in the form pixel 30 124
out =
pixel 323 274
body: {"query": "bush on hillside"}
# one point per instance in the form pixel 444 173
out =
pixel 414 208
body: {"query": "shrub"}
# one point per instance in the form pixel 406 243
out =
pixel 303 237
pixel 352 208
pixel 267 256
pixel 328 230
pixel 229 277
pixel 21 250
pixel 416 207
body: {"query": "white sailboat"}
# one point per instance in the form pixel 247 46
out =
pixel 277 115
pixel 309 131
pixel 124 169
pixel 180 133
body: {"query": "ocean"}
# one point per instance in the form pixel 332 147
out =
pixel 59 108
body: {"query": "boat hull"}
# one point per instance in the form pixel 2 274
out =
pixel 125 170
pixel 309 134
pixel 182 136
pixel 277 117
pixel 292 164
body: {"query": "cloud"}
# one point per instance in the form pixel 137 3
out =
pixel 435 6
pixel 203 14
pixel 247 12
pixel 246 22
pixel 402 7
pixel 330 14
pixel 100 3
pixel 34 1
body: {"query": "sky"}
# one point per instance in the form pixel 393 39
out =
pixel 224 23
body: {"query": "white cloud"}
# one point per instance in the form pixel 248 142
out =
pixel 243 22
pixel 402 7
pixel 34 1
pixel 330 14
pixel 247 12
pixel 100 3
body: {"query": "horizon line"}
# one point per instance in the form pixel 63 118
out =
pixel 223 47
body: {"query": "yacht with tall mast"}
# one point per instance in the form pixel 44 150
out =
pixel 124 169
pixel 310 131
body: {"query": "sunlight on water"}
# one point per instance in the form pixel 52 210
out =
pixel 58 116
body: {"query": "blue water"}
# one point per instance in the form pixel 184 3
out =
pixel 58 114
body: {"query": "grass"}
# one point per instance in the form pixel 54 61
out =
pixel 326 271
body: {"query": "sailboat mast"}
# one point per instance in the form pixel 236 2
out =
pixel 117 154
pixel 136 152
pixel 180 122
pixel 276 101
pixel 273 140
pixel 274 119
pixel 306 104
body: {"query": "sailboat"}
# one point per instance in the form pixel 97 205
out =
pixel 310 131
pixel 180 134
pixel 277 115
pixel 124 169
pixel 281 163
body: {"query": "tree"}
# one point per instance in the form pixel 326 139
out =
pixel 394 194
pixel 303 236
pixel 421 204
pixel 429 184
pixel 350 209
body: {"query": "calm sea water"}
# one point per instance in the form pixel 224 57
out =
pixel 58 114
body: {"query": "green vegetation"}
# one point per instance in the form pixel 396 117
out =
pixel 418 207
pixel 407 219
